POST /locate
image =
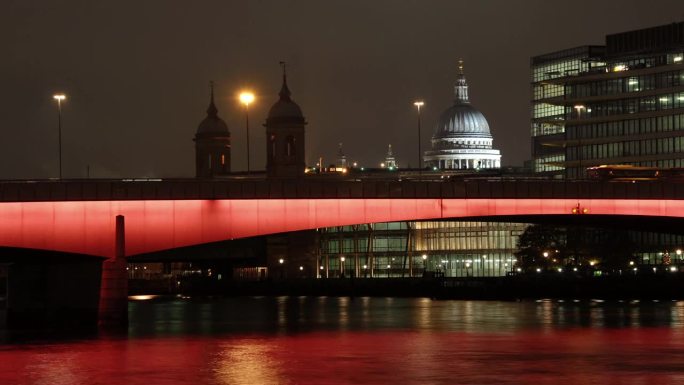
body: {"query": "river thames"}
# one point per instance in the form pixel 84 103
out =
pixel 328 340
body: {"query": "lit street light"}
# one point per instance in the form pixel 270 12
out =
pixel 282 269
pixel 59 98
pixel 246 98
pixel 419 104
pixel 579 108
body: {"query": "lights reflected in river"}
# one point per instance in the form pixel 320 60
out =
pixel 368 340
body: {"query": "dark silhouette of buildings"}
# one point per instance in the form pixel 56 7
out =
pixel 285 136
pixel 212 144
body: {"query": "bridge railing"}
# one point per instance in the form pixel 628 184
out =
pixel 179 189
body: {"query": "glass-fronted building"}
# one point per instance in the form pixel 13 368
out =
pixel 410 249
pixel 548 115
pixel 618 104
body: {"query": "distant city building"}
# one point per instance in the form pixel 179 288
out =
pixel 285 142
pixel 462 139
pixel 341 158
pixel 622 103
pixel 390 161
pixel 212 144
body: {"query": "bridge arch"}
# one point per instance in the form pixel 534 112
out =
pixel 88 227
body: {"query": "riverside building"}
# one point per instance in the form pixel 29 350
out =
pixel 410 249
pixel 622 103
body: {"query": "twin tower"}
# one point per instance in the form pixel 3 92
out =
pixel 284 140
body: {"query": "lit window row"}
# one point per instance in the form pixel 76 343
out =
pixel 626 84
pixel 627 127
pixel 626 106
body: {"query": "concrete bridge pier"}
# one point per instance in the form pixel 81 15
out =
pixel 113 308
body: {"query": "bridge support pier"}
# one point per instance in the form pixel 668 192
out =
pixel 113 309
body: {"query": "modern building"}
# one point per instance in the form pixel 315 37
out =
pixel 462 139
pixel 622 103
pixel 548 118
pixel 212 144
pixel 409 249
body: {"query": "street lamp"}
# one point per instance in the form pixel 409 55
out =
pixel 419 104
pixel 282 270
pixel 246 98
pixel 579 108
pixel 342 265
pixel 59 98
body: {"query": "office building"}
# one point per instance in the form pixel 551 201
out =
pixel 622 103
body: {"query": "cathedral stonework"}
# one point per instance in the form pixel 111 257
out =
pixel 462 139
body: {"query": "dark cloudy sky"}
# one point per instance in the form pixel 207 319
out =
pixel 136 73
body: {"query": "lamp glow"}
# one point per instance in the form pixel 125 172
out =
pixel 246 98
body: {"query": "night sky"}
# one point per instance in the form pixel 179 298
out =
pixel 136 74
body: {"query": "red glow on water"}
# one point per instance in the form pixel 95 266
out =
pixel 88 227
pixel 575 356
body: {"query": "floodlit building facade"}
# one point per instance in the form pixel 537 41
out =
pixel 410 249
pixel 462 139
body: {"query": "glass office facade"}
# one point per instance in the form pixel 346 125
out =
pixel 618 104
pixel 548 115
pixel 408 249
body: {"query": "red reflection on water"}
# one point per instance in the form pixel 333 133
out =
pixel 574 356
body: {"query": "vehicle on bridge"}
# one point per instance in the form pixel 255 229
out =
pixel 629 173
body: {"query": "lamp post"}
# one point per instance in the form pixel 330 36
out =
pixel 342 266
pixel 419 104
pixel 246 98
pixel 59 98
pixel 282 272
pixel 579 108
pixel 424 265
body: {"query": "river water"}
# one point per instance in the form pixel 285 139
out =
pixel 326 340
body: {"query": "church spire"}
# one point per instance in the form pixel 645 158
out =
pixel 390 161
pixel 284 91
pixel 461 87
pixel 341 158
pixel 212 111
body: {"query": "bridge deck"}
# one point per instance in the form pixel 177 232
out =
pixel 182 189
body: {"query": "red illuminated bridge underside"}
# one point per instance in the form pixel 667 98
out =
pixel 88 226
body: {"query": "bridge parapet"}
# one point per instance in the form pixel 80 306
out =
pixel 187 189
